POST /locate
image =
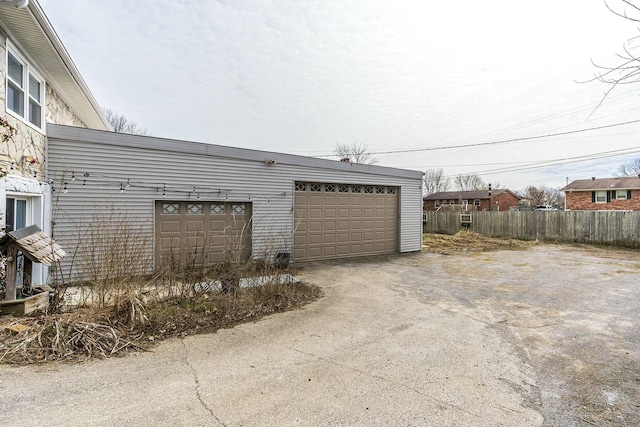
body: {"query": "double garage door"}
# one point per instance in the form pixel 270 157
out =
pixel 334 220
pixel 200 234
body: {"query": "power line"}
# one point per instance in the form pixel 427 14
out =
pixel 506 141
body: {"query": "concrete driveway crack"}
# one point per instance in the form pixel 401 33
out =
pixel 196 388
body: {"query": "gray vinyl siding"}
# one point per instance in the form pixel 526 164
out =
pixel 217 172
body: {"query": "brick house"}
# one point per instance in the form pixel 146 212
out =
pixel 611 194
pixel 481 200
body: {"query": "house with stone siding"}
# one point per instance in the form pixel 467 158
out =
pixel 610 194
pixel 41 85
pixel 477 200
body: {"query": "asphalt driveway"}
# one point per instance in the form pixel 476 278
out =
pixel 544 336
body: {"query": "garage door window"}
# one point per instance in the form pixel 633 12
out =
pixel 217 209
pixel 194 209
pixel 170 209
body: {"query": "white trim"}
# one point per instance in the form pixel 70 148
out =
pixel 605 196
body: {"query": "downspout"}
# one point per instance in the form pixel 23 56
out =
pixel 20 4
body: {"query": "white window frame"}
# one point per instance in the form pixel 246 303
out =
pixel 27 71
pixel 601 195
pixel 436 203
pixel 476 202
pixel 621 194
pixel 29 210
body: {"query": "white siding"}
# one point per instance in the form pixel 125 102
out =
pixel 217 173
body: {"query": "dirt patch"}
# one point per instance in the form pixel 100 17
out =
pixel 467 241
pixel 89 333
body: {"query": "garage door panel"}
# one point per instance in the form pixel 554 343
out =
pixel 315 252
pixel 315 200
pixel 343 200
pixel 329 252
pixel 170 226
pixel 339 220
pixel 329 238
pixel 343 250
pixel 314 239
pixel 329 200
pixel 314 226
pixel 315 213
pixel 355 249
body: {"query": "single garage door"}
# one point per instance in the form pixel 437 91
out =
pixel 201 234
pixel 344 220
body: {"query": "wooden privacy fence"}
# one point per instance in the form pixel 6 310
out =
pixel 607 227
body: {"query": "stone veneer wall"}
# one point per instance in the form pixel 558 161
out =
pixel 29 141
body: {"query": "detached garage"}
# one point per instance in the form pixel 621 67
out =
pixel 213 202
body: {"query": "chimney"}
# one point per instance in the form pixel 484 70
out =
pixel 593 178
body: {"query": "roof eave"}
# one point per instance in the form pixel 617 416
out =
pixel 31 29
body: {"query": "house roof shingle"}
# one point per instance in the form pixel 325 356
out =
pixel 467 195
pixel 621 183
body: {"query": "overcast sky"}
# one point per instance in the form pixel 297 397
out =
pixel 302 76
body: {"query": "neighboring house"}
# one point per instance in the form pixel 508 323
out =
pixel 178 194
pixel 481 200
pixel 40 86
pixel 609 194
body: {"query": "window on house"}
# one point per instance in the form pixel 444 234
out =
pixel 437 203
pixel 621 194
pixel 25 90
pixel 601 197
pixel 17 214
pixel 476 202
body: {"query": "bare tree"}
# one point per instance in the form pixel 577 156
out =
pixel 469 182
pixel 122 124
pixel 631 168
pixel 435 181
pixel 355 153
pixel 542 195
pixel 627 71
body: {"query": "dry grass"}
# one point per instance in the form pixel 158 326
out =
pixel 91 332
pixel 467 241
